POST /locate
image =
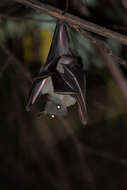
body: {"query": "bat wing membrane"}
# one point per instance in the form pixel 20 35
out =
pixel 37 89
pixel 77 83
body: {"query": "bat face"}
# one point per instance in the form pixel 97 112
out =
pixel 56 104
pixel 62 78
pixel 55 107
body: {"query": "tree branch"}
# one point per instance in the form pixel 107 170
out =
pixel 75 21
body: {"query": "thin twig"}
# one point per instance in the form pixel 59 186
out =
pixel 116 73
pixel 75 21
pixel 119 60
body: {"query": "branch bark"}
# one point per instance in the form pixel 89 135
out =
pixel 74 21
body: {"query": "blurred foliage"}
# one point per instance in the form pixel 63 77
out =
pixel 40 152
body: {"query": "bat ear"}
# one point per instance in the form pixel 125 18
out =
pixel 60 42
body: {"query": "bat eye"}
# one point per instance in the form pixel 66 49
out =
pixel 52 116
pixel 58 106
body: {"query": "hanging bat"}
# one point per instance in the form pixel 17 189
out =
pixel 61 76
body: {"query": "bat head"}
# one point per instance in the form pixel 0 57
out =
pixel 55 106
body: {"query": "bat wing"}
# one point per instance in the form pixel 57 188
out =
pixel 75 78
pixel 40 86
pixel 60 85
pixel 60 44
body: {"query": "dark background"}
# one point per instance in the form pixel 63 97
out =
pixel 42 153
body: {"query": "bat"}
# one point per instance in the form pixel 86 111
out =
pixel 62 77
pixel 58 48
